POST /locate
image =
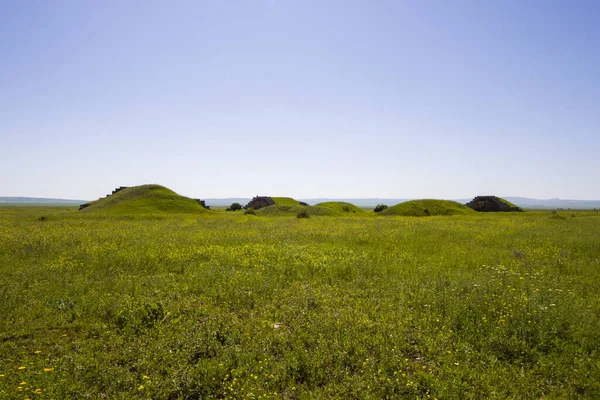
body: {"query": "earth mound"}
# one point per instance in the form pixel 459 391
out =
pixel 144 199
pixel 293 210
pixel 259 202
pixel 341 207
pixel 427 207
pixel 492 204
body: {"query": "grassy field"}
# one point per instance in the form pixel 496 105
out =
pixel 226 305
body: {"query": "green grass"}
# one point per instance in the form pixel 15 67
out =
pixel 293 210
pixel 145 199
pixel 224 305
pixel 509 204
pixel 341 207
pixel 285 201
pixel 423 208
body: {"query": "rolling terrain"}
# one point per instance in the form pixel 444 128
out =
pixel 152 298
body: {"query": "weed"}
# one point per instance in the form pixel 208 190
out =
pixel 303 214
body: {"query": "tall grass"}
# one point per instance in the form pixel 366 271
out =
pixel 241 306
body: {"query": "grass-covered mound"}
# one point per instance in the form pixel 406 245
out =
pixel 293 210
pixel 423 208
pixel 341 207
pixel 492 204
pixel 145 199
pixel 285 201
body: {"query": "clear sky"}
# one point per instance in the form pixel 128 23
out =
pixel 301 98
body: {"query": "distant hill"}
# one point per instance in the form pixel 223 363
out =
pixel 427 207
pixel 525 202
pixel 341 207
pixel 40 201
pixel 522 202
pixel 226 201
pixel 363 202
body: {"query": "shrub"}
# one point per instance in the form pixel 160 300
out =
pixel 380 208
pixel 203 204
pixel 234 207
pixel 250 211
pixel 302 214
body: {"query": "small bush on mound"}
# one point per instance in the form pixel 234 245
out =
pixel 302 214
pixel 234 207
pixel 380 208
pixel 250 211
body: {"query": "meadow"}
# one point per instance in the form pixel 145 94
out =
pixel 233 306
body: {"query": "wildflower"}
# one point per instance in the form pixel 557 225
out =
pixel 1 375
pixel 141 387
pixel 37 351
pixel 21 368
pixel 145 377
pixel 22 383
pixel 48 369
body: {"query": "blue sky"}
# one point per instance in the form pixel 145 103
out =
pixel 323 98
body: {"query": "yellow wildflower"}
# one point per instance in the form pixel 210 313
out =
pixel 22 383
pixel 37 351
pixel 48 369
pixel 145 377
pixel 21 368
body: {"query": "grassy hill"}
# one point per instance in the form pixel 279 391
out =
pixel 285 201
pixel 423 208
pixel 293 210
pixel 341 207
pixel 509 204
pixel 145 199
